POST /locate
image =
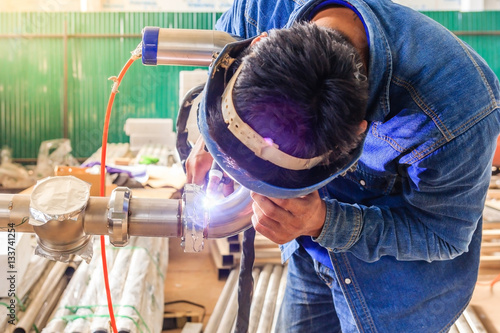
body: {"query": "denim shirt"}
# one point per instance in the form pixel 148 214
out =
pixel 403 231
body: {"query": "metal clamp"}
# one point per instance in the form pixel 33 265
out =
pixel 194 218
pixel 118 211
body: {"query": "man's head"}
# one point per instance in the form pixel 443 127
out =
pixel 302 89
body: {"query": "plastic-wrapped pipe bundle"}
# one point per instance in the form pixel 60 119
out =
pixel 4 317
pixel 137 275
pixel 267 316
pixel 117 277
pixel 36 273
pixel 136 303
pixel 33 274
pixel 220 306
pixel 73 294
pixel 82 317
pixel 258 298
pixel 28 319
pixel 269 288
pixel 153 292
pixel 279 298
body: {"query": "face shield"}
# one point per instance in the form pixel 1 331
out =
pixel 316 171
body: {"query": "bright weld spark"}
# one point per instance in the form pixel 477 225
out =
pixel 209 202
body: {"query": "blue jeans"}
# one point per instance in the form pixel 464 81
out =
pixel 313 300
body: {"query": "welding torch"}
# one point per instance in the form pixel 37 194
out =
pixel 215 178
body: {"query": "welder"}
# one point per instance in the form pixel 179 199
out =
pixel 365 132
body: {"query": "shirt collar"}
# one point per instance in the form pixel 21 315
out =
pixel 380 62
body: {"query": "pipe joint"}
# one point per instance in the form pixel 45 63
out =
pixel 56 210
pixel 194 218
pixel 118 213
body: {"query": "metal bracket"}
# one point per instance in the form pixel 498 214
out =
pixel 118 211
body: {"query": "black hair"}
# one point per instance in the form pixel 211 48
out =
pixel 304 87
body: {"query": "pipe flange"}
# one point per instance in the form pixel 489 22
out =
pixel 194 218
pixel 118 212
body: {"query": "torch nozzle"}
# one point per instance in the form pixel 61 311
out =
pixel 215 176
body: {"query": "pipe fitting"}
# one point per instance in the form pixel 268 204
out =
pixel 57 207
pixel 118 213
pixel 65 218
pixel 203 217
pixel 194 218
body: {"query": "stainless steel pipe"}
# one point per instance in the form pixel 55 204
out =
pixel 185 47
pixel 231 215
pixel 154 217
pixel 149 217
pixel 190 47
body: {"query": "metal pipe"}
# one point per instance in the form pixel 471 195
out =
pixel 267 316
pixel 190 47
pixel 25 323
pixel 5 201
pixel 473 320
pixel 279 297
pixel 229 316
pixel 231 215
pixel 462 325
pixel 15 211
pixel 154 217
pixel 150 217
pixel 96 216
pixel 51 302
pixel 189 218
pixel 258 297
pixel 218 312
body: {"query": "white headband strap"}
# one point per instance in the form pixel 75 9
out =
pixel 263 148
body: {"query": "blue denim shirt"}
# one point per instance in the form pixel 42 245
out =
pixel 403 231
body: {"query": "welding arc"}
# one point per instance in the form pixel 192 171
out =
pixel 102 188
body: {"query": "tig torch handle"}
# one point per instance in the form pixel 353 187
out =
pixel 214 178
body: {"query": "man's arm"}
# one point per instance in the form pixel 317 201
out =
pixel 438 214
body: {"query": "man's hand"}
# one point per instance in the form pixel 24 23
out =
pixel 199 163
pixel 282 220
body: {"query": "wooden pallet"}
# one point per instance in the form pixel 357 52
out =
pixel 490 246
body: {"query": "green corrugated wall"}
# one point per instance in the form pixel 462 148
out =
pixel 480 30
pixel 39 102
pixel 53 72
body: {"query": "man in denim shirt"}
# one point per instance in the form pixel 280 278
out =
pixel 393 244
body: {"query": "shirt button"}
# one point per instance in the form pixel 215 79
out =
pixel 347 281
pixel 362 182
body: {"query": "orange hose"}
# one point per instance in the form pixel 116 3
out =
pixel 491 283
pixel 102 188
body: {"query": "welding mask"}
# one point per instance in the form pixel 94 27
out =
pixel 316 172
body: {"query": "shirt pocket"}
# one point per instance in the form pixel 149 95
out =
pixel 370 184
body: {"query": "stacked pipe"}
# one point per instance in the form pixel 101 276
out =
pixel 468 322
pixel 136 280
pixel 28 296
pixel 269 282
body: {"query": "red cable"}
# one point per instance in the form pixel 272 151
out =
pixel 103 184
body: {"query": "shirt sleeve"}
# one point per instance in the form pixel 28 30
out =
pixel 233 21
pixel 438 210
